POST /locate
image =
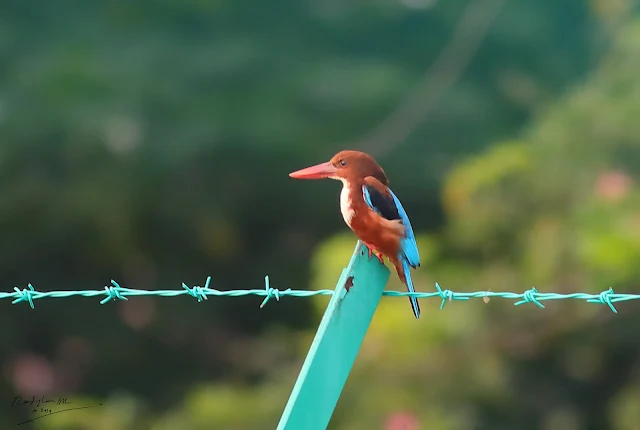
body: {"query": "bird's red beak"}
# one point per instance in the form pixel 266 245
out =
pixel 319 171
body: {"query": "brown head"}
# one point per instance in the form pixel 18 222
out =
pixel 352 166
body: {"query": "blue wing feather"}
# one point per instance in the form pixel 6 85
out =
pixel 367 198
pixel 408 244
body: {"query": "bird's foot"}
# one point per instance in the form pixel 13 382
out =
pixel 379 256
pixel 370 249
pixel 372 252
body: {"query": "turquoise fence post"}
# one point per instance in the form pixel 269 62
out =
pixel 336 344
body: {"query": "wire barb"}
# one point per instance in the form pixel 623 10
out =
pixel 605 297
pixel 113 293
pixel 530 297
pixel 272 292
pixel 198 292
pixel 448 295
pixel 25 295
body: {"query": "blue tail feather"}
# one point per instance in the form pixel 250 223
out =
pixel 407 274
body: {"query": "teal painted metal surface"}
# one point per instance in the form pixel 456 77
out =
pixel 336 345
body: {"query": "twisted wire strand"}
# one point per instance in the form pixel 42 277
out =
pixel 201 293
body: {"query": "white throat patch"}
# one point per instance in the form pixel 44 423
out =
pixel 345 203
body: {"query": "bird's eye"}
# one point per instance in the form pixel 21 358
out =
pixel 343 163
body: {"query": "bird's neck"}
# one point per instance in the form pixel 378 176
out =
pixel 351 187
pixel 350 198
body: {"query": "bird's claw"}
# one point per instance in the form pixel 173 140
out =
pixel 371 252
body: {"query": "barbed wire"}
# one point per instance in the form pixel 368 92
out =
pixel 116 292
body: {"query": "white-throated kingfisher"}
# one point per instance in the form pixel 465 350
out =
pixel 372 211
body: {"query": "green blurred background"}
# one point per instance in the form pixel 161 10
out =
pixel 150 142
